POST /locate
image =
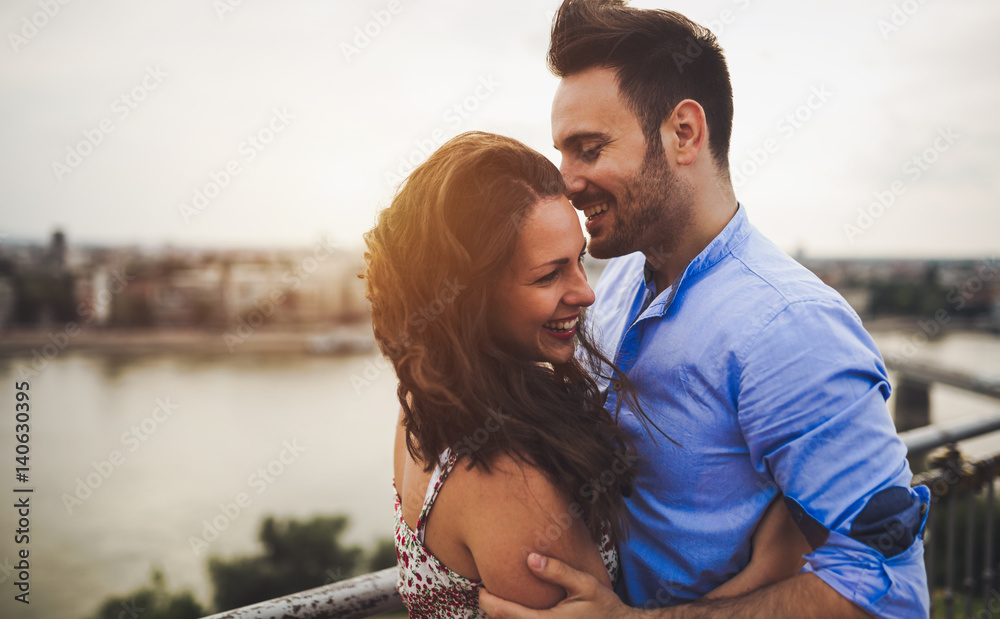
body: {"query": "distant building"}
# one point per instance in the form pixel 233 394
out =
pixel 250 286
pixel 298 289
pixel 55 257
pixel 190 297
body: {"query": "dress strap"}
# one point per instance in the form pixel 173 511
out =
pixel 446 462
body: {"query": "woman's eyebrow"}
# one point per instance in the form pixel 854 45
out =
pixel 559 260
pixel 551 262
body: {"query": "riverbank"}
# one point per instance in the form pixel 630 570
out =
pixel 296 339
pixel 932 326
pixel 317 339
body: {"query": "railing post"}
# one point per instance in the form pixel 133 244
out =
pixel 968 585
pixel 988 561
pixel 949 459
pixel 913 404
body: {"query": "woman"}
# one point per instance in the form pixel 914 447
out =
pixel 477 288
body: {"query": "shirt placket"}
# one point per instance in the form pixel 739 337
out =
pixel 628 350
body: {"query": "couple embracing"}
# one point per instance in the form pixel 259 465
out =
pixel 704 436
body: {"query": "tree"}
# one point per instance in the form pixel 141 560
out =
pixel 297 556
pixel 152 601
pixel 383 556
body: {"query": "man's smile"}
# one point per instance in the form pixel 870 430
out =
pixel 596 209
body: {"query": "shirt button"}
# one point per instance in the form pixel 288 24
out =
pixel 616 385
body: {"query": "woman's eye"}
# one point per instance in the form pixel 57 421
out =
pixel 551 277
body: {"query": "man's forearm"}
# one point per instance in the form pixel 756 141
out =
pixel 803 596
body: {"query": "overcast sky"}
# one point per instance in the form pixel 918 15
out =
pixel 183 86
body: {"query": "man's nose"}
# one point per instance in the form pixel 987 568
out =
pixel 575 182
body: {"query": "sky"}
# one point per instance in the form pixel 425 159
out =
pixel 863 128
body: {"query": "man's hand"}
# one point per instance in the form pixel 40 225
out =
pixel 799 597
pixel 585 595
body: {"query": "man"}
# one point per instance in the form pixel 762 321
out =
pixel 762 374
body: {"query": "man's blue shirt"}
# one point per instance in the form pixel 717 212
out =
pixel 769 383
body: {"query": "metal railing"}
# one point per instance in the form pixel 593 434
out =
pixel 355 598
pixel 955 485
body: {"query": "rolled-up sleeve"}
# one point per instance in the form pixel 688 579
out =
pixel 812 406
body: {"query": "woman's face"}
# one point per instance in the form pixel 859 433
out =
pixel 538 299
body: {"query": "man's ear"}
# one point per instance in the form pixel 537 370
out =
pixel 684 132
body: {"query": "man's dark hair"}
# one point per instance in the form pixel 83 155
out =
pixel 661 58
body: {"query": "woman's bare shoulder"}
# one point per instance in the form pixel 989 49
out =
pixel 513 509
pixel 509 481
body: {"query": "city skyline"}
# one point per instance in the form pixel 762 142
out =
pixel 861 131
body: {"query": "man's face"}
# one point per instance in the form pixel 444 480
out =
pixel 633 202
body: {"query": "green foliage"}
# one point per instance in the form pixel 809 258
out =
pixel 937 533
pixel 151 601
pixel 939 607
pixel 41 294
pixel 131 310
pixel 297 556
pixel 383 556
pixel 907 298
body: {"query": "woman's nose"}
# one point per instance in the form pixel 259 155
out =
pixel 581 294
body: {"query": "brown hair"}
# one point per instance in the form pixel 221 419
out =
pixel 661 58
pixel 432 263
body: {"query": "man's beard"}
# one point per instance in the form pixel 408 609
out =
pixel 654 212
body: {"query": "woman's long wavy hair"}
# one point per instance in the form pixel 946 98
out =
pixel 432 265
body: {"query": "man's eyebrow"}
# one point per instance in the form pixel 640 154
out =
pixel 576 138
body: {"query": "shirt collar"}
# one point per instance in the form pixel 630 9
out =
pixel 735 232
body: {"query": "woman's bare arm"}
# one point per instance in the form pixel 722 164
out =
pixel 777 549
pixel 510 512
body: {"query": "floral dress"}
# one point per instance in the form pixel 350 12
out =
pixel 428 587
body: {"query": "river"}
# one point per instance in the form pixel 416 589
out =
pixel 323 441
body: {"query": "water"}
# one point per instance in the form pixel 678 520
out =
pixel 975 353
pixel 233 415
